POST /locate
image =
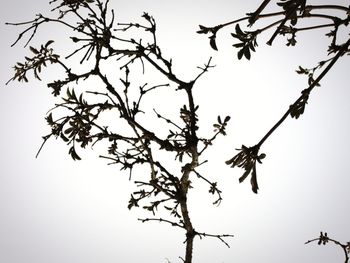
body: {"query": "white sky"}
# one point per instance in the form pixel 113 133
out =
pixel 53 209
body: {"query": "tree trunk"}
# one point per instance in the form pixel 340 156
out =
pixel 189 249
pixel 190 233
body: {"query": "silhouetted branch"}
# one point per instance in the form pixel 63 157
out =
pixel 293 11
pixel 219 128
pixel 305 93
pixel 323 239
pixel 143 220
pixel 248 156
pixel 204 69
pixel 220 237
pixel 255 16
pixel 213 188
pixel 79 120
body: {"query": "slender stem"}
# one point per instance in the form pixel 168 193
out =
pixel 343 246
pixel 255 15
pixel 169 75
pixel 309 89
pixel 338 7
pixel 313 27
pixel 246 18
pixel 288 15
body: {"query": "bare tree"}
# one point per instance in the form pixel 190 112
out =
pixel 83 116
pixel 79 120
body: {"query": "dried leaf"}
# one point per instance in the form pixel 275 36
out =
pixel 213 42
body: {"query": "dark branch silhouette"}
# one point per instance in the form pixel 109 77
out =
pixel 79 119
pixel 323 239
pixel 284 25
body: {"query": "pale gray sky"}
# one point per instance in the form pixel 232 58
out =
pixel 55 210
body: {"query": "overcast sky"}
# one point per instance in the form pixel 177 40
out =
pixel 55 210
